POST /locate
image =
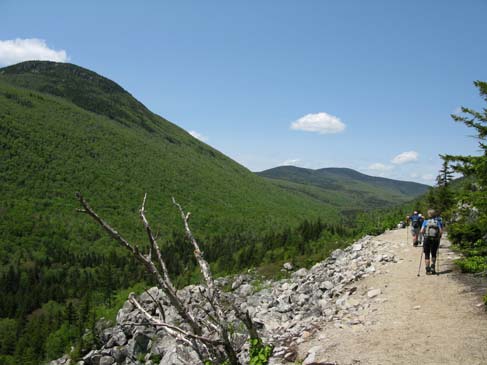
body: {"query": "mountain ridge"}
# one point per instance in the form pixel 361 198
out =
pixel 84 88
pixel 347 182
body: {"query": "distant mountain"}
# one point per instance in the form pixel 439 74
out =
pixel 347 189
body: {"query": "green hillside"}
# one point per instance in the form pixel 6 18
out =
pixel 96 138
pixel 345 189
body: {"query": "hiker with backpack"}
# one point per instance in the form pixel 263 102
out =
pixel 432 230
pixel 415 220
pixel 420 235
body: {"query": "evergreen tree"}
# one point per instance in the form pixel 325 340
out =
pixel 442 198
pixel 71 315
pixel 471 230
pixel 445 175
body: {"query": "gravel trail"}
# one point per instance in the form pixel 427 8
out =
pixel 414 320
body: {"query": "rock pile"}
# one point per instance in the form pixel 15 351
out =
pixel 288 311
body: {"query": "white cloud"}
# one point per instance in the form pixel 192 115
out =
pixel 292 162
pixel 322 123
pixel 199 136
pixel 18 50
pixel 405 157
pixel 380 167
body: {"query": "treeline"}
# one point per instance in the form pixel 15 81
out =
pixel 463 202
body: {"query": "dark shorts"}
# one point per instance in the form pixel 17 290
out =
pixel 414 231
pixel 430 245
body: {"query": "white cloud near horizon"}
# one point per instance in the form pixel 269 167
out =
pixel 19 50
pixel 405 157
pixel 291 162
pixel 380 167
pixel 199 136
pixel 322 123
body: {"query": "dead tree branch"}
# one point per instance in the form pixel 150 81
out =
pixel 213 291
pixel 209 336
pixel 164 284
pixel 173 330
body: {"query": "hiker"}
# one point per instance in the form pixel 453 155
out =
pixel 415 226
pixel 420 235
pixel 432 230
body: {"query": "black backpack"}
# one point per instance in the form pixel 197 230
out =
pixel 415 221
pixel 432 229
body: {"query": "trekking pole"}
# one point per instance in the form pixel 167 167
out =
pixel 420 261
pixel 437 263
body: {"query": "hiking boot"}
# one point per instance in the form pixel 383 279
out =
pixel 428 270
pixel 415 244
pixel 432 269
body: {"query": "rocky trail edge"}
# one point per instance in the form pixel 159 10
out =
pixel 427 320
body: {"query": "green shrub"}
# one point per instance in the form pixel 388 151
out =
pixel 465 234
pixel 473 264
pixel 259 353
pixel 57 342
pixel 156 358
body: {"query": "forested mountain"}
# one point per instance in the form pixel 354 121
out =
pixel 346 189
pixel 95 137
pixel 65 129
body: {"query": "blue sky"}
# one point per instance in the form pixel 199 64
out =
pixel 367 85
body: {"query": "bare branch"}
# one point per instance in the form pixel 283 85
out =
pixel 171 329
pixel 214 292
pixel 205 268
pixel 155 246
pixel 210 335
pixel 159 305
pixel 167 287
pixel 247 321
pixel 106 226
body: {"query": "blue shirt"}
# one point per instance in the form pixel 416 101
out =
pixel 438 220
pixel 415 218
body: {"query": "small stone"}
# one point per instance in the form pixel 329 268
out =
pixel 326 285
pixel 417 307
pixel 356 247
pixel 288 266
pixel 300 273
pixel 310 359
pixel 373 293
pixel 370 269
pixel 107 360
pixel 291 356
pixel 246 290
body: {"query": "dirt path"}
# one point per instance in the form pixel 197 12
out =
pixel 415 320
